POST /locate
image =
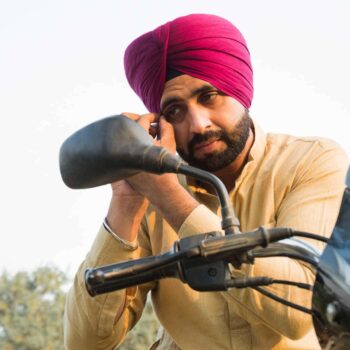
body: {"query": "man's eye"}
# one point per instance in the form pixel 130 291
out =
pixel 174 114
pixel 208 97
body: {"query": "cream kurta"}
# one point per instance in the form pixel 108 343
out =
pixel 288 181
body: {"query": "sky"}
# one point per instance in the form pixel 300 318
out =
pixel 61 67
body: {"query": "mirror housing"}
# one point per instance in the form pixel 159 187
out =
pixel 109 150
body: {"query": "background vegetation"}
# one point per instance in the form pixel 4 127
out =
pixel 31 311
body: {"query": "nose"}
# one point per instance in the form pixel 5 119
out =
pixel 199 118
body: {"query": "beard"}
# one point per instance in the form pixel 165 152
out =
pixel 235 141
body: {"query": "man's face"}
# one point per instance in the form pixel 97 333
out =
pixel 211 128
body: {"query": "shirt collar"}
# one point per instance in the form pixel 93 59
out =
pixel 259 145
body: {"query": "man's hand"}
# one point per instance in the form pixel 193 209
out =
pixel 163 191
pixel 130 197
pixel 150 185
pixel 126 210
pixel 163 133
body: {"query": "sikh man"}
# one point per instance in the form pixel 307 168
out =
pixel 195 77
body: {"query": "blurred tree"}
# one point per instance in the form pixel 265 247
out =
pixel 31 313
pixel 31 310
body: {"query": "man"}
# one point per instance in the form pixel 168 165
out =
pixel 194 75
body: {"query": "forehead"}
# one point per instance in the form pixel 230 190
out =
pixel 182 87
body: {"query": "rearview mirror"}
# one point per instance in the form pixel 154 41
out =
pixel 109 150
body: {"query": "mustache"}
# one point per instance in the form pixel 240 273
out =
pixel 209 135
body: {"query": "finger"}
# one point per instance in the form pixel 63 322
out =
pixel 145 120
pixel 167 135
pixel 153 129
pixel 132 116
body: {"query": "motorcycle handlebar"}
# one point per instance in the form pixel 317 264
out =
pixel 129 273
pixel 189 258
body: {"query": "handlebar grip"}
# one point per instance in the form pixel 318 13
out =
pixel 126 274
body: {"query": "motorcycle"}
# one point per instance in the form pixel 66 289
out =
pixel 116 147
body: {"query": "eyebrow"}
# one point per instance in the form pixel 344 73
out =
pixel 173 99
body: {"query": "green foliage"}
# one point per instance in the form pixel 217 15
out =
pixel 31 313
pixel 31 310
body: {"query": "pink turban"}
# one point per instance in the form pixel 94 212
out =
pixel 203 46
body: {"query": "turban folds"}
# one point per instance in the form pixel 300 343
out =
pixel 203 46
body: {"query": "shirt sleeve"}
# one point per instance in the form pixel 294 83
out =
pixel 201 220
pixel 101 322
pixel 312 205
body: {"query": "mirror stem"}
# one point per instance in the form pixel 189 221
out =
pixel 229 222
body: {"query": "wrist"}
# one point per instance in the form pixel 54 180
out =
pixel 176 204
pixel 124 216
pixel 129 205
pixel 166 192
pixel 130 245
